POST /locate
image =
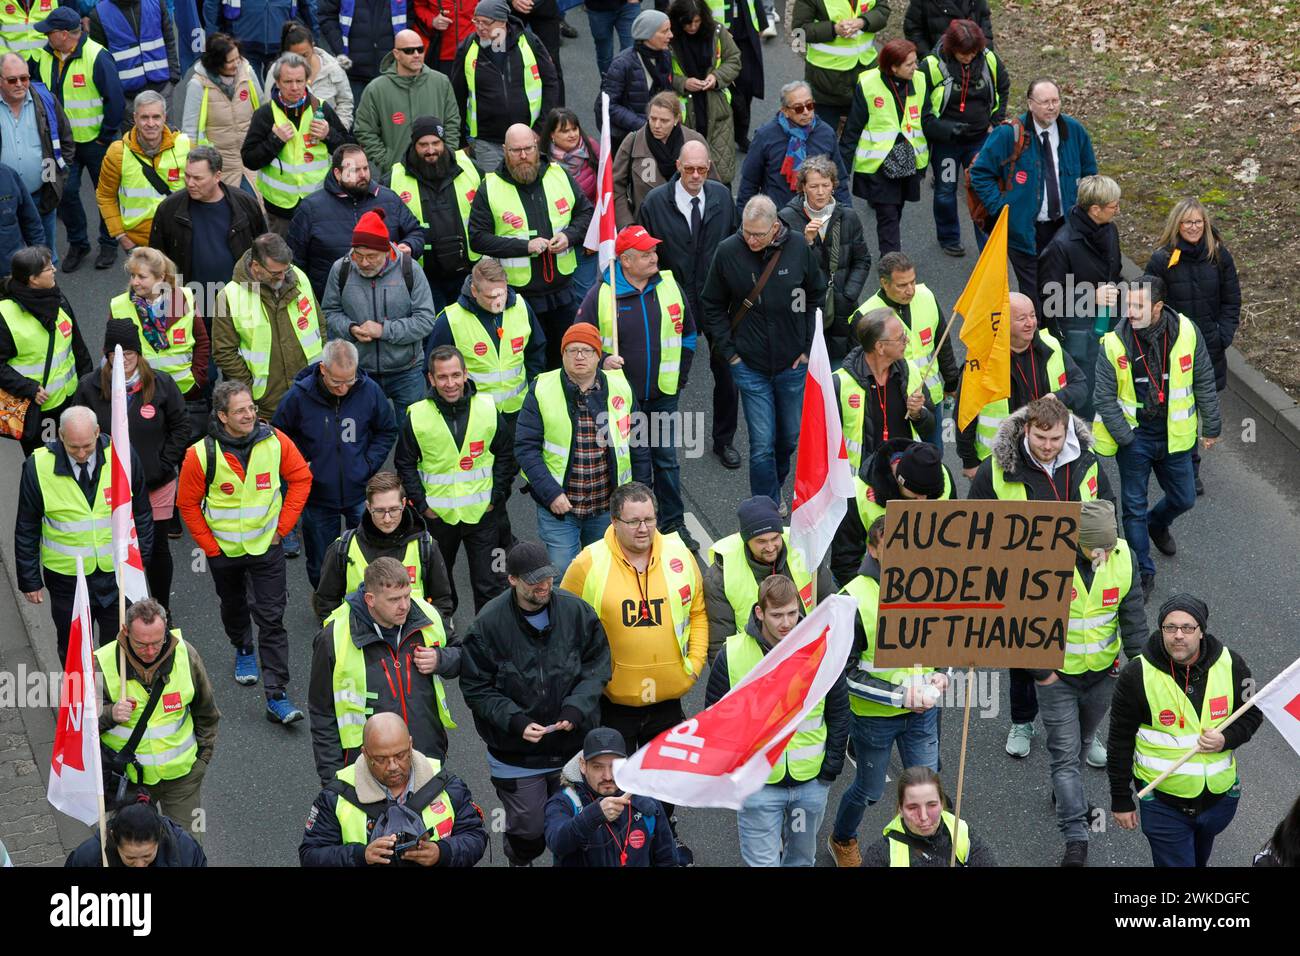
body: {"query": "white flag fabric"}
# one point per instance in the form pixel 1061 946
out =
pixel 1280 702
pixel 603 229
pixel 75 775
pixel 723 754
pixel 126 546
pixel 823 479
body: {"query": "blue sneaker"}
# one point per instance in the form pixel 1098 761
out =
pixel 292 546
pixel 246 672
pixel 280 710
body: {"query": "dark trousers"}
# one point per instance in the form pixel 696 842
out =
pixel 159 567
pixel 888 219
pixel 665 435
pixel 548 31
pixel 555 322
pixel 63 591
pixel 1025 267
pixel 741 107
pixel 1178 839
pixel 726 402
pixel 1024 698
pixel 505 535
pixel 833 116
pixel 44 426
pixel 89 157
pixel 524 801
pixel 640 725
pixel 251 588
pixel 481 548
pixel 320 527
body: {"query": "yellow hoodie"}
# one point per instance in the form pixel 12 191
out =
pixel 646 659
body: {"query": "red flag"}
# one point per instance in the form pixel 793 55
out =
pixel 601 232
pixel 823 480
pixel 1280 702
pixel 75 775
pixel 126 546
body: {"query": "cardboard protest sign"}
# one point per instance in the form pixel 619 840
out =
pixel 976 583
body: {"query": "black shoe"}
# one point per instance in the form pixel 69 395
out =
pixel 566 30
pixel 742 144
pixel 1200 486
pixel 107 256
pixel 955 251
pixel 729 457
pixel 1164 541
pixel 74 256
pixel 1148 585
pixel 690 542
pixel 1076 853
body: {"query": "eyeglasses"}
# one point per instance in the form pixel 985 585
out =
pixel 696 170
pixel 639 522
pixel 1194 223
pixel 522 150
pixel 802 107
pixel 410 50
pixel 330 379
pixel 483 21
pixel 749 234
pixel 1049 104
pixel 275 276
pixel 580 351
pixel 387 512
pixel 1169 630
pixel 18 80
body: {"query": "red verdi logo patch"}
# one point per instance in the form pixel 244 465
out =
pixel 148 411
pixel 636 839
pixel 926 336
pixel 914 111
pixel 78 80
pixel 674 310
pixel 410 572
pixel 685 592
pixel 1167 718
pixel 304 304
pixel 66 328
pixel 1218 707
pixel 1185 363
pixel 536 74
pixel 1092 485
pixel 475 449
pixel 173 175
pixel 1109 596
pixel 676 565
pixel 480 348
pixel 466 463
pixel 517 345
pixel 227 488
pixel 171 703
pixel 399 118
pixel 264 481
pixel 178 336
pixel 878 102
pixel 469 196
pixel 562 204
pixel 1022 177
pixel 1061 380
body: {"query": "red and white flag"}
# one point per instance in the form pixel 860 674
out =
pixel 725 753
pixel 1280 702
pixel 126 546
pixel 823 479
pixel 75 775
pixel 601 232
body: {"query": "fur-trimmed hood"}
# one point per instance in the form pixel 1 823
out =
pixel 1009 441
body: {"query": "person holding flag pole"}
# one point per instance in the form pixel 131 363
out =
pixel 601 233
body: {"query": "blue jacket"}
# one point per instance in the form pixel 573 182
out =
pixel 20 222
pixel 104 75
pixel 638 311
pixel 578 834
pixel 346 440
pixel 1075 159
pixel 624 81
pixel 761 172
pixel 534 351
pixel 258 26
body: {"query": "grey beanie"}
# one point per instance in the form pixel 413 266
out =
pixel 647 24
pixel 1097 526
pixel 493 9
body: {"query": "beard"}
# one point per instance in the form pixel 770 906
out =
pixel 357 190
pixel 523 171
pixel 435 170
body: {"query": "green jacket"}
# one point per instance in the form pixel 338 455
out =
pixel 391 103
pixel 721 133
pixel 829 87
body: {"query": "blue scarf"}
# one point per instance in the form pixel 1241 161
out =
pixel 796 148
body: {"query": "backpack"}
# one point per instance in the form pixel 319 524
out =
pixel 978 214
pixel 345 545
pixel 408 275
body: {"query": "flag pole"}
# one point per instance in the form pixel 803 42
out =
pixel 613 305
pixel 961 765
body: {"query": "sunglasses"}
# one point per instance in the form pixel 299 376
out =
pixel 17 80
pixel 802 107
pixel 410 50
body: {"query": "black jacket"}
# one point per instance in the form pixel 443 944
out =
pixel 836 712
pixel 172 232
pixel 176 848
pixel 31 506
pixel 1205 291
pixel 1017 465
pixel 779 328
pixel 1129 710
pixel 931 851
pixel 515 675
pixel 393 685
pixel 499 91
pixel 846 283
pixel 687 256
pixel 18 385
pixel 855 364
pixel 262 147
pixel 1080 256
pixel 625 82
pixel 369 40
pixel 926 20
pixel 577 833
pixel 159 439
pixel 446 255
pixel 969 112
pixel 332 588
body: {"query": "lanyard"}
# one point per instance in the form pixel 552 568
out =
pixel 1030 384
pixel 1187 683
pixel 902 108
pixel 1159 383
pixel 627 837
pixel 644 609
pixel 882 399
pixel 1053 483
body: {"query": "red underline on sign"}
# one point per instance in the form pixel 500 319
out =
pixel 958 606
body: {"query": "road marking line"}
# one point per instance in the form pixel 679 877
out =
pixel 697 532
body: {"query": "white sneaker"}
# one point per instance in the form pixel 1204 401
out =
pixel 769 31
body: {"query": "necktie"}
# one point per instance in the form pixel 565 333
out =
pixel 1050 181
pixel 87 486
pixel 696 218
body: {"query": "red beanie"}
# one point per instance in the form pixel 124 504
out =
pixel 371 232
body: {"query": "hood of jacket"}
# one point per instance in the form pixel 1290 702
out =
pixel 869 566
pixel 877 473
pixel 147 672
pixel 273 299
pixel 366 631
pixel 309 380
pixel 1008 444
pixel 1156 654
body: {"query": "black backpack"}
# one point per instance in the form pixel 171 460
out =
pixel 345 545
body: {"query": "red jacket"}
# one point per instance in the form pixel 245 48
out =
pixel 443 43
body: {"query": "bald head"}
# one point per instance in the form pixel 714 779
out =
pixel 383 731
pixel 519 135
pixel 1023 321
pixel 79 432
pixel 408 64
pixel 522 161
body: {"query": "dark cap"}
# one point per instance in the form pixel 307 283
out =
pixel 920 470
pixel 1189 605
pixel 121 332
pixel 601 741
pixel 758 515
pixel 60 18
pixel 529 562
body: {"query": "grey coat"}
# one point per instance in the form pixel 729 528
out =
pixel 407 317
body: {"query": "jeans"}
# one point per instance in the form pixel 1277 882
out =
pixel 1082 343
pixel 50 222
pixel 1136 460
pixel 1071 716
pixel 603 24
pixel 667 470
pixel 773 409
pixel 320 527
pixel 90 156
pixel 405 388
pixel 1177 839
pixel 778 825
pixel 935 437
pixel 584 276
pixel 948 160
pixel 565 537
pixel 917 737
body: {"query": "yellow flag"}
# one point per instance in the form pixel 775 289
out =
pixel 985 310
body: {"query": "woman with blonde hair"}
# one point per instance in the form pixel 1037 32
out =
pixel 1201 279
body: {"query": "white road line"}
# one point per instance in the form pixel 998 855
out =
pixel 698 533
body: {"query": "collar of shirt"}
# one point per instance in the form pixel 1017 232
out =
pixel 406 791
pixel 683 199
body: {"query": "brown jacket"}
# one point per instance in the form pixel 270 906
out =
pixel 636 173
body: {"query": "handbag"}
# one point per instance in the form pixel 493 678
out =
pixel 900 163
pixel 118 787
pixel 15 411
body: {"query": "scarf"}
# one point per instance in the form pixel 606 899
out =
pixel 291 110
pixel 658 64
pixel 665 152
pixel 577 163
pixel 694 54
pixel 796 148
pixel 227 88
pixel 823 215
pixel 44 304
pixel 153 320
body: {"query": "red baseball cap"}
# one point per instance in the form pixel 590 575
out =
pixel 634 237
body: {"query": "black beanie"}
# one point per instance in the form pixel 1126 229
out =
pixel 1188 604
pixel 121 332
pixel 758 515
pixel 920 470
pixel 423 126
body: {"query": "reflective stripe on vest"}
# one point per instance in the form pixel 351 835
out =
pixel 497 368
pixel 900 853
pixel 357 564
pixel 508 218
pixel 679 591
pixel 993 414
pixel 532 83
pixel 922 333
pixel 738 582
pixel 1084 490
pixel 351 694
pixel 942 83
pixel 82 101
pixel 669 297
pixel 140 59
pixel 557 426
pixel 1177 728
pixel 396 14
pixel 803 755
pixel 853 412
pixel 32 342
pixel 71 527
pixel 176 359
pixel 883 126
pixel 865 590
pixel 18 33
pixel 845 54
pixel 354 826
pixel 242 513
pixel 137 199
pixel 465 186
pixel 248 81
pixel 248 314
pixel 299 169
pixel 685 100
pixel 1092 640
pixel 457 482
pixel 1181 408
pixel 168 749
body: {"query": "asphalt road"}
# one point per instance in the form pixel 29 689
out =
pixel 1236 550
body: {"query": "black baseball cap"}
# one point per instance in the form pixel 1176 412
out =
pixel 601 741
pixel 529 562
